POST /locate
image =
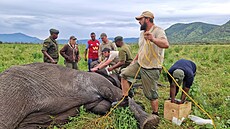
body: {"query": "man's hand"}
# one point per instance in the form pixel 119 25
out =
pixel 179 102
pixel 94 69
pixel 78 58
pixel 149 36
pixel 70 59
pixel 110 69
pixel 132 62
pixel 173 101
pixel 53 62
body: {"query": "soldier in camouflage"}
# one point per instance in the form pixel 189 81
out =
pixel 50 48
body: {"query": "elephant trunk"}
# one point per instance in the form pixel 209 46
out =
pixel 146 121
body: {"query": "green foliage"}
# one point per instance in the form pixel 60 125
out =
pixel 211 87
pixel 83 120
pixel 199 97
pixel 123 118
pixel 37 55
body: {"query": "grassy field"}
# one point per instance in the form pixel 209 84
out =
pixel 211 88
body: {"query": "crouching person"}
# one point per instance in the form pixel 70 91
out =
pixel 71 53
pixel 111 58
pixel 182 71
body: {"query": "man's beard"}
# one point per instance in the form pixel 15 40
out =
pixel 144 26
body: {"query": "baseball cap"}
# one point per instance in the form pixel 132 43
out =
pixel 118 38
pixel 106 50
pixel 178 75
pixel 73 37
pixel 102 35
pixel 145 14
pixel 54 31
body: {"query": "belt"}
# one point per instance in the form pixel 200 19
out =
pixel 152 68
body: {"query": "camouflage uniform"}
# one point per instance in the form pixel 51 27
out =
pixel 51 47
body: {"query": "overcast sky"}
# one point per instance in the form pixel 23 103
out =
pixel 81 17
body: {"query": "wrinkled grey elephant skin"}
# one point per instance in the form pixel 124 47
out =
pixel 31 94
pixel 38 94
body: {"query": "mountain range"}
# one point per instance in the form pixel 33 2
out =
pixel 22 38
pixel 18 37
pixel 196 32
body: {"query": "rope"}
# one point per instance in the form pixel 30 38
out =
pixel 154 54
pixel 105 116
pixel 159 63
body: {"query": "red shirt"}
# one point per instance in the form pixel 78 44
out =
pixel 93 47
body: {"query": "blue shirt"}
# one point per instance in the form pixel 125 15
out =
pixel 189 69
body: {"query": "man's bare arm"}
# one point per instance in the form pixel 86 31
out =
pixel 47 55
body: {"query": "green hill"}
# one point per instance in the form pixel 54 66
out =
pixel 199 32
pixel 219 34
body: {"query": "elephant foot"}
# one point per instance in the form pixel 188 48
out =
pixel 151 122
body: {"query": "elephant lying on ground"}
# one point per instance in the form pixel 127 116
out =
pixel 30 94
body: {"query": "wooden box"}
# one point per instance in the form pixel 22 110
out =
pixel 176 110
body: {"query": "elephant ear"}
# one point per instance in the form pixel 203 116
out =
pixel 117 79
pixel 112 78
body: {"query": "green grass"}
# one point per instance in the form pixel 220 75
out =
pixel 211 87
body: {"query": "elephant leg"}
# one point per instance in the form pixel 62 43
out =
pixel 35 120
pixel 43 119
pixel 146 121
pixel 102 107
pixel 63 117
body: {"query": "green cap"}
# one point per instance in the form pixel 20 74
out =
pixel 178 75
pixel 118 38
pixel 54 31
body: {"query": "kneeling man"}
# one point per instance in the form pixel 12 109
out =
pixel 111 58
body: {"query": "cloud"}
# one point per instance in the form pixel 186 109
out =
pixel 113 17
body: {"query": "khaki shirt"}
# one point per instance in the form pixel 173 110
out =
pixel 109 45
pixel 51 47
pixel 114 57
pixel 125 55
pixel 146 52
